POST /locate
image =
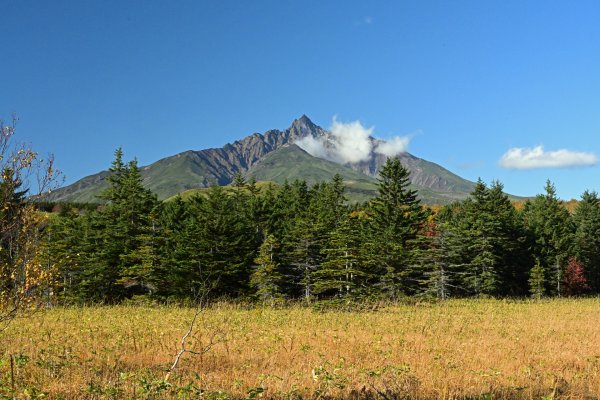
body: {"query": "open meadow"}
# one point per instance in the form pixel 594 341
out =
pixel 455 349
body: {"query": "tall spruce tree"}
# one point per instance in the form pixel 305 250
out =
pixel 116 234
pixel 397 218
pixel 552 232
pixel 139 211
pixel 440 259
pixel 511 246
pixel 303 245
pixel 183 261
pixel 492 249
pixel 225 243
pixel 173 271
pixel 481 231
pixel 343 273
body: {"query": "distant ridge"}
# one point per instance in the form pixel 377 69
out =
pixel 273 156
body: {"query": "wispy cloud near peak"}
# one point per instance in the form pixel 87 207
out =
pixel 352 142
pixel 536 157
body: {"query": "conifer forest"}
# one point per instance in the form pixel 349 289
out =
pixel 272 243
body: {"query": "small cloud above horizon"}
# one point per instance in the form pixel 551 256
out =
pixel 524 158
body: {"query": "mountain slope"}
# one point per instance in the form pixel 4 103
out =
pixel 272 156
pixel 290 162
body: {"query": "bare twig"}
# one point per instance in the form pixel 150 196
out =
pixel 216 336
pixel 183 349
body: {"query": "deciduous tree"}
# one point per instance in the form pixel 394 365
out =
pixel 575 282
pixel 24 177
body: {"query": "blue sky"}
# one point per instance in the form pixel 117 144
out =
pixel 466 80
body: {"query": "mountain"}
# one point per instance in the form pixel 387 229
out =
pixel 274 156
pixel 290 162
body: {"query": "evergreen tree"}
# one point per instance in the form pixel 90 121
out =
pixel 13 213
pixel 98 261
pixel 142 265
pixel 183 254
pixel 511 246
pixel 492 249
pixel 317 245
pixel 266 278
pixel 116 236
pixel 63 247
pixel 537 281
pixel 481 229
pixel 587 237
pixel 303 247
pixel 305 219
pixel 397 218
pixel 342 273
pixel 552 233
pixel 440 260
pixel 172 218
pixel 224 243
pixel 284 206
pixel 240 195
pixel 256 209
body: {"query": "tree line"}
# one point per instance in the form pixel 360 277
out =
pixel 296 241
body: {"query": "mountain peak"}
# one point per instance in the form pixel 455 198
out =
pixel 302 127
pixel 304 118
pixel 303 121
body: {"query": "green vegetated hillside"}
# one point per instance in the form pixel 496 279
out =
pixel 85 190
pixel 291 162
pixel 165 177
pixel 178 173
pixel 187 194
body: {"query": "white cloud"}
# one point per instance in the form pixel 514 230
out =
pixel 537 157
pixel 394 146
pixel 351 143
pixel 313 146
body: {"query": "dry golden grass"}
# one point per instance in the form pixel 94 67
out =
pixel 456 349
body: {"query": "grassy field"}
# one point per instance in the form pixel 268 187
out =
pixel 457 349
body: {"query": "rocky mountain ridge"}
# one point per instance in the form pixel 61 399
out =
pixel 203 168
